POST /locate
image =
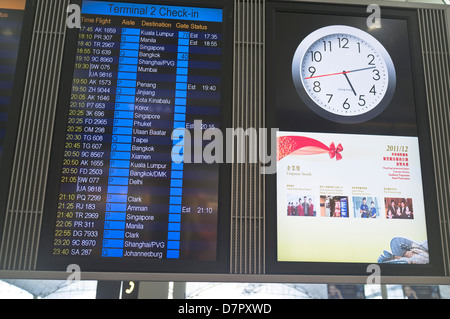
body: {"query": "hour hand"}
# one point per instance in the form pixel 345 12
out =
pixel 348 80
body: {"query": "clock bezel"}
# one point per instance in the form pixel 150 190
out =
pixel 298 58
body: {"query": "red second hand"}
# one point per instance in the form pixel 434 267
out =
pixel 319 76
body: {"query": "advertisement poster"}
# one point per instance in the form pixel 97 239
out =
pixel 346 292
pixel 350 198
pixel 421 292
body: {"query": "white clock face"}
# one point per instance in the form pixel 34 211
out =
pixel 344 74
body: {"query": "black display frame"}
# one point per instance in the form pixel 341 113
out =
pixel 436 266
pixel 45 260
pixel 12 126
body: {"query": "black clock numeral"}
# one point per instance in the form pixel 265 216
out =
pixel 331 96
pixel 312 70
pixel 361 100
pixel 377 75
pixel 372 90
pixel 359 47
pixel 343 43
pixel 372 57
pixel 316 56
pixel 325 43
pixel 346 105
pixel 317 88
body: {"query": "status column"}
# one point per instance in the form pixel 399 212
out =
pixel 176 190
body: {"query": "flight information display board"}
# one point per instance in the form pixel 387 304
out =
pixel 140 73
pixel 11 22
pixel 11 16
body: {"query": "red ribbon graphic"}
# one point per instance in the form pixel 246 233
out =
pixel 335 151
pixel 301 145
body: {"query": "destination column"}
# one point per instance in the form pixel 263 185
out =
pixel 147 217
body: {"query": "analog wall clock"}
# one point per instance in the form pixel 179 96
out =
pixel 344 74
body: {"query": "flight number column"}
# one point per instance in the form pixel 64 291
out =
pixel 81 203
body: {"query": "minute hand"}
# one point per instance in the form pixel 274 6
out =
pixel 348 80
pixel 345 72
pixel 369 68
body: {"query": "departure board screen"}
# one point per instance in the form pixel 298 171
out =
pixel 141 73
pixel 11 20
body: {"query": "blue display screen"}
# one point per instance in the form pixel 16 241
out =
pixel 152 11
pixel 11 20
pixel 141 71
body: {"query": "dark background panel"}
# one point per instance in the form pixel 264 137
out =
pixel 290 28
pixel 407 114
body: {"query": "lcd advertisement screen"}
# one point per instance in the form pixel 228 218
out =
pixel 117 200
pixel 354 183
